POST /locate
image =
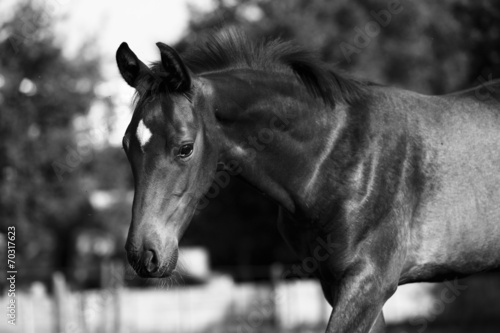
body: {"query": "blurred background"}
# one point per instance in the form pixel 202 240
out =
pixel 66 186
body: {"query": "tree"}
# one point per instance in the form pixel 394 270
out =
pixel 432 47
pixel 41 93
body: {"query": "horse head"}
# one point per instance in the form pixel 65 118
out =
pixel 172 159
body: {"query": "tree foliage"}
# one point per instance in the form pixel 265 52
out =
pixel 40 156
pixel 428 46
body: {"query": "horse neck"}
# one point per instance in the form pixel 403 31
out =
pixel 275 136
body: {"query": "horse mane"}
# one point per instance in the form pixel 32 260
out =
pixel 231 48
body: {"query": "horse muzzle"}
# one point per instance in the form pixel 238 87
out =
pixel 150 261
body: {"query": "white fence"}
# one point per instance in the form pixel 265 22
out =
pixel 218 306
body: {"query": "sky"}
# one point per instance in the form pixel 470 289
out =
pixel 103 25
pixel 109 23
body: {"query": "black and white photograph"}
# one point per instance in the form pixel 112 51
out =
pixel 250 166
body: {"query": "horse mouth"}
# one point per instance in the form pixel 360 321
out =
pixel 147 265
pixel 156 273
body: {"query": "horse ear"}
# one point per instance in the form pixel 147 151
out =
pixel 129 65
pixel 178 75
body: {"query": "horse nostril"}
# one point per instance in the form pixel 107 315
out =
pixel 150 261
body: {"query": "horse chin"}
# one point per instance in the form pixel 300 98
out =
pixel 167 270
pixel 158 274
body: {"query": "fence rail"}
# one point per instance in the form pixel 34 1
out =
pixel 224 306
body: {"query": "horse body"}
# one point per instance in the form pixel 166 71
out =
pixel 438 156
pixel 377 186
pixel 406 183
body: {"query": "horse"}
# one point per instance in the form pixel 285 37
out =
pixel 381 186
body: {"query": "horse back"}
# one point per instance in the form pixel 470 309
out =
pixel 486 92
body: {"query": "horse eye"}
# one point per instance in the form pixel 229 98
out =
pixel 185 151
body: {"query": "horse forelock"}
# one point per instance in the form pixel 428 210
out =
pixel 152 85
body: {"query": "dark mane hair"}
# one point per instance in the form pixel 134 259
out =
pixel 230 48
